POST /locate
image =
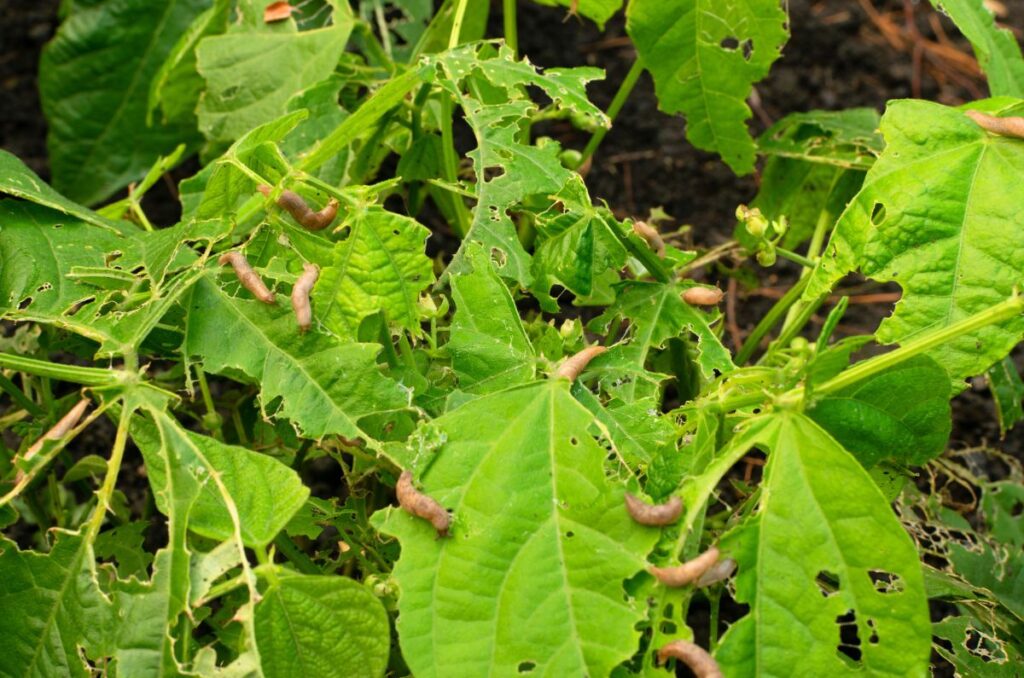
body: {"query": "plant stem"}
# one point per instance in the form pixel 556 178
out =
pixel 796 258
pixel 106 490
pixel 460 14
pixel 769 321
pixel 508 16
pixel 296 557
pixel 87 376
pixel 793 324
pixel 211 408
pixel 625 87
pixel 18 396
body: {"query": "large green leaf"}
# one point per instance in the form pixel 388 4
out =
pixel 489 347
pixel 52 606
pixel 933 216
pixel 901 414
pixel 825 567
pixel 321 626
pixel 266 492
pixel 705 56
pixel 491 88
pixel 380 266
pixel 93 83
pixel 996 48
pixel 531 578
pixel 324 386
pixel 252 72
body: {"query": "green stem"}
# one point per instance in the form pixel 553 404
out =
pixel 769 320
pixel 300 560
pixel 450 166
pixel 796 258
pixel 106 490
pixel 19 397
pixel 87 376
pixel 372 47
pixel 211 408
pixel 793 324
pixel 625 87
pixel 268 566
pixel 647 257
pixel 508 16
pixel 460 14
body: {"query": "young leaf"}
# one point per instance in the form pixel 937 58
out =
pixel 705 56
pixel 996 48
pixel 380 266
pixel 826 559
pixel 489 347
pixel 18 180
pixel 931 216
pixel 321 626
pixel 251 73
pixel 54 607
pixel 93 84
pixel 541 543
pixel 325 386
pixel 901 414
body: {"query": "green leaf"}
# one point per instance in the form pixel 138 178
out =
pixel 705 56
pixel 599 11
pixel 380 266
pixel 252 72
pixel 53 606
pixel 658 313
pixel 974 650
pixel 824 551
pixel 902 414
pixel 932 216
pixel 526 170
pixel 325 387
pixel 848 139
pixel 321 626
pixel 637 429
pixel 1007 392
pixel 18 180
pixel 532 574
pixel 93 83
pixel 996 568
pixel 124 543
pixel 266 492
pixel 996 48
pixel 489 347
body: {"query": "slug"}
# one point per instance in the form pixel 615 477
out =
pixel 702 296
pixel 651 235
pixel 422 505
pixel 1007 127
pixel 293 204
pixel 277 11
pixel 249 278
pixel 659 514
pixel 300 296
pixel 56 432
pixel 574 365
pixel 688 572
pixel 702 664
pixel 720 571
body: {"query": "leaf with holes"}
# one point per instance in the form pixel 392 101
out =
pixel 932 217
pixel 826 561
pixel 531 578
pixel 705 56
pixel 379 266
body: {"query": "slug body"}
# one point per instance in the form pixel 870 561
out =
pixel 1007 127
pixel 703 296
pixel 687 573
pixel 651 235
pixel 702 664
pixel 575 365
pixel 300 296
pixel 249 278
pixel 292 203
pixel 658 514
pixel 422 505
pixel 277 11
pixel 720 571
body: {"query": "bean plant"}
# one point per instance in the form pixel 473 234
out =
pixel 398 395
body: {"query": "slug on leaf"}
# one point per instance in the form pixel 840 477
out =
pixel 702 664
pixel 422 505
pixel 687 573
pixel 703 296
pixel 574 365
pixel 249 278
pixel 658 514
pixel 1007 127
pixel 292 203
pixel 300 296
pixel 651 235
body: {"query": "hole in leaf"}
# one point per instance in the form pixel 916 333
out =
pixel 574 441
pixel 570 534
pixel 44 287
pixel 668 628
pixel 747 47
pixel 25 303
pixel 878 214
pixel 849 637
pixel 493 172
pixel 873 639
pixel 729 43
pixel 886 582
pixel 828 583
pixel 498 257
pixel 1017 509
pixel 527 667
pixel 984 646
pixel 396 232
pixel 77 306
